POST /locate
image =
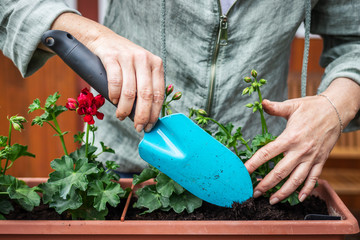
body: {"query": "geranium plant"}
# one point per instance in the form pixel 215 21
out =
pixel 234 139
pixel 11 188
pixel 167 194
pixel 79 185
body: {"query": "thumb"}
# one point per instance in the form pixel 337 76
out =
pixel 280 109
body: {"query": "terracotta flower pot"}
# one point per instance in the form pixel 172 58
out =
pixel 314 229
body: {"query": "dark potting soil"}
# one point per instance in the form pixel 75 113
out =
pixel 252 209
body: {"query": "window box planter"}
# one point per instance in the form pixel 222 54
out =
pixel 134 229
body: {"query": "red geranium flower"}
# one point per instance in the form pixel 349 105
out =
pixel 87 105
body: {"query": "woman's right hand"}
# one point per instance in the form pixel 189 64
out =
pixel 132 71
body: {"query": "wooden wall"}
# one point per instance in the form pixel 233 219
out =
pixel 18 93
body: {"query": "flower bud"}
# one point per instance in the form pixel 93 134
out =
pixel 263 81
pixel 169 111
pixel 19 119
pixel 249 105
pixel 177 96
pixel 253 73
pixel 245 91
pixel 72 104
pixel 247 79
pixel 202 112
pixel 169 89
pixel 17 126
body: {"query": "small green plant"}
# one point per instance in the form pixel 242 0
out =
pixel 79 185
pixel 166 194
pixel 12 188
pixel 234 139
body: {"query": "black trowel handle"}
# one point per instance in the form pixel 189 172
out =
pixel 80 59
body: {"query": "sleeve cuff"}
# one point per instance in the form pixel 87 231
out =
pixel 24 34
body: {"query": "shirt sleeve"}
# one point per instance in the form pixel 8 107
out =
pixel 338 22
pixel 22 23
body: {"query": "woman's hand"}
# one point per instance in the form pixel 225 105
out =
pixel 132 72
pixel 312 130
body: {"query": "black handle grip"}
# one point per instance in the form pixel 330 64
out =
pixel 80 59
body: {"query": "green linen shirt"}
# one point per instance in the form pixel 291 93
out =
pixel 259 37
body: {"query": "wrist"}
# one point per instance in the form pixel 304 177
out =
pixel 344 94
pixel 83 29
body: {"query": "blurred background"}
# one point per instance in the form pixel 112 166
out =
pixel 342 169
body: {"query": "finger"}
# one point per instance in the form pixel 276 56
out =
pixel 280 109
pixel 310 182
pixel 145 93
pixel 159 89
pixel 114 76
pixel 296 178
pixel 265 153
pixel 128 91
pixel 280 172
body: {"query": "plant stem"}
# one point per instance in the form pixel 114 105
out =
pixel 9 144
pixel 57 129
pixel 87 139
pixel 3 193
pixel 228 134
pixel 263 122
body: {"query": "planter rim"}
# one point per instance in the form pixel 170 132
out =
pixel 348 224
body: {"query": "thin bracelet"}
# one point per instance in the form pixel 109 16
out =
pixel 337 113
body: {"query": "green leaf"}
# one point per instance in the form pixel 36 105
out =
pixel 2 217
pixel 68 178
pixel 16 151
pixel 59 109
pixel 6 181
pixel 146 174
pixel 27 197
pixel 37 121
pixel 34 106
pixel 48 190
pixel 293 199
pixel 149 198
pixel 111 165
pixel 5 206
pixel 186 200
pixel 166 186
pixel 79 137
pixel 80 153
pixel 103 196
pixel 106 149
pixel 72 201
pixel 3 141
pixel 61 134
pixel 51 100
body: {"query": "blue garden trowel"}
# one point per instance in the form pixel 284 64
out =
pixel 176 145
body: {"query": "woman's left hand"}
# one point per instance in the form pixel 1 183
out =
pixel 311 132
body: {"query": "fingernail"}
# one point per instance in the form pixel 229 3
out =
pixel 303 197
pixel 121 118
pixel 257 194
pixel 115 101
pixel 139 127
pixel 149 127
pixel 274 201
